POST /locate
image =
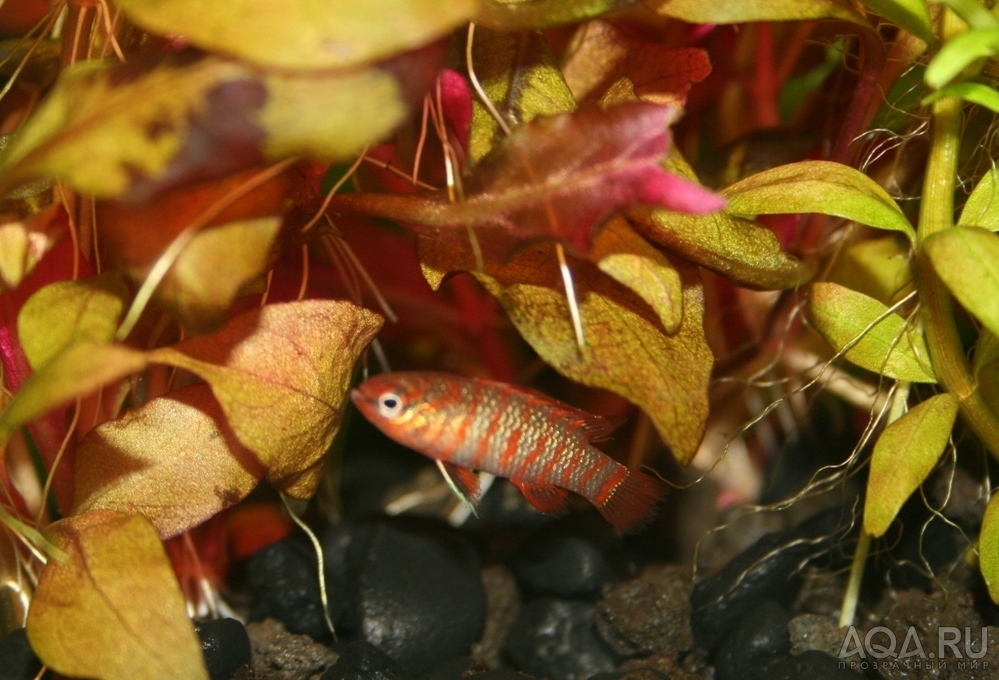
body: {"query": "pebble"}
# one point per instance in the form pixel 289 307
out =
pixel 648 614
pixel 812 665
pixel 636 674
pixel 360 660
pixel 413 589
pixel 570 557
pixel 556 639
pixel 280 655
pixel 760 639
pixel 225 645
pixel 815 632
pixel 18 661
pixel 502 607
pixel 284 579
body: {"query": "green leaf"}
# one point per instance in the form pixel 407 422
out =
pixel 878 267
pixel 912 15
pixel 848 320
pixel 982 207
pixel 67 312
pixel 627 350
pixel 976 93
pixel 23 243
pixel 986 368
pixel 112 609
pixel 818 187
pixel 516 15
pixel 988 547
pixel 728 12
pixel 281 374
pixel 306 34
pixel 174 461
pixel 961 52
pixel 973 13
pixel 967 260
pixel 905 454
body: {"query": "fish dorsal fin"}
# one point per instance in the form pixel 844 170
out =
pixel 595 428
pixel 545 497
pixel 462 481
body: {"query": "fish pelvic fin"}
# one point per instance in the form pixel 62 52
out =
pixel 462 481
pixel 631 506
pixel 547 498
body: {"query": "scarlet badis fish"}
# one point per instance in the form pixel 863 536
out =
pixel 542 445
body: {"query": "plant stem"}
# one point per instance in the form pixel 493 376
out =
pixel 936 213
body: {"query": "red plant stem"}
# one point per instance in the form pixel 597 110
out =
pixel 764 86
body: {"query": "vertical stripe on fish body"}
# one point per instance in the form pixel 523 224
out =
pixel 540 444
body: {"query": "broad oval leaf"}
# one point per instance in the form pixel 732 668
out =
pixel 982 206
pixel 174 461
pixel 988 547
pixel 967 260
pixel 728 12
pixel 76 371
pixel 281 375
pixel 818 187
pixel 306 34
pixel 848 320
pixel 878 267
pixel 66 312
pixel 912 15
pixel 627 350
pixel 537 14
pixel 903 457
pixel 112 609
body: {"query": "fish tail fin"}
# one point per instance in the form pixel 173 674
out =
pixel 631 506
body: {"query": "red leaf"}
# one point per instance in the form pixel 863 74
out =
pixel 555 178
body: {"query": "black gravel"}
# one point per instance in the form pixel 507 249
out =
pixel 17 661
pixel 225 645
pixel 557 639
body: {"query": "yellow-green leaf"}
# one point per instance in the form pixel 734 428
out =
pixel 912 15
pixel 76 371
pixel 281 375
pixel 818 187
pixel 67 312
pixel 878 267
pixel 848 320
pixel 728 12
pixel 967 260
pixel 306 34
pixel 113 609
pixel 988 547
pixel 627 349
pixel 174 461
pixel 23 243
pixel 516 15
pixel 982 207
pixel 629 259
pixel 905 454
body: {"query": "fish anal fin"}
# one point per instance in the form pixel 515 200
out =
pixel 464 480
pixel 545 497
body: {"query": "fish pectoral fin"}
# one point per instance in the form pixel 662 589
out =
pixel 462 480
pixel 546 498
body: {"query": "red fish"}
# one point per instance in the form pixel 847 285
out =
pixel 540 444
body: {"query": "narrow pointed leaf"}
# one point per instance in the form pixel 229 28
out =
pixel 175 461
pixel 967 260
pixel 74 372
pixel 890 347
pixel 976 93
pixel 281 375
pixel 818 187
pixel 539 14
pixel 112 609
pixel 629 259
pixel 67 312
pixel 912 15
pixel 725 12
pixel 959 53
pixel 309 34
pixel 905 454
pixel 988 547
pixel 626 348
pixel 556 178
pixel 982 207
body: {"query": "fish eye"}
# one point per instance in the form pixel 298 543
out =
pixel 390 404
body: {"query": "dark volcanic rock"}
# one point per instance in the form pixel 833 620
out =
pixel 225 645
pixel 556 639
pixel 812 665
pixel 17 661
pixel 280 655
pixel 636 674
pixel 360 660
pixel 284 579
pixel 648 614
pixel 760 639
pixel 571 557
pixel 413 589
